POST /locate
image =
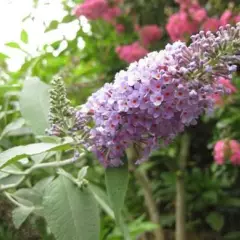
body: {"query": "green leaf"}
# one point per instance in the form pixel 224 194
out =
pixel 29 194
pixel 14 154
pixel 215 221
pixel 71 213
pixel 7 88
pixel 42 184
pixel 232 236
pixel 20 214
pixel 210 197
pixel 24 36
pixel 18 123
pixel 3 56
pixel 13 45
pixel 102 199
pixel 117 183
pixel 136 228
pixel 9 168
pixel 35 104
pixel 68 18
pixel 11 179
pixel 82 173
pixel 231 202
pixel 38 158
pixel 53 25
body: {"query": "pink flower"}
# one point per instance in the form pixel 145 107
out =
pixel 92 9
pixel 120 28
pixel 219 152
pixel 211 24
pixel 131 53
pixel 179 26
pixel 111 13
pixel 235 152
pixel 227 149
pixel 226 17
pixel 197 13
pixel 149 34
pixel 237 19
pixel 228 86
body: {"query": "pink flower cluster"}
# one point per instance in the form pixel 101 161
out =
pixel 192 17
pixel 91 9
pixel 149 34
pixel 97 9
pixel 179 27
pixel 100 9
pixel 227 149
pixel 132 52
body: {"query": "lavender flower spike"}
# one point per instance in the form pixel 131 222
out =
pixel 161 94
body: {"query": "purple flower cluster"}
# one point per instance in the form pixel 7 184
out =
pixel 156 97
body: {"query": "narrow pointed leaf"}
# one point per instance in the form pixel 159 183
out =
pixel 13 45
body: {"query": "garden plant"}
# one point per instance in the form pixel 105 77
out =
pixel 130 129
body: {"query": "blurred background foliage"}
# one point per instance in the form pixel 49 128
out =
pixel 86 62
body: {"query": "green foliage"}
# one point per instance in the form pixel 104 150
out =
pixel 212 194
pixel 215 220
pixel 73 209
pixel 20 214
pixel 102 199
pixel 13 45
pixel 117 183
pixel 34 105
pixel 24 36
pixel 14 154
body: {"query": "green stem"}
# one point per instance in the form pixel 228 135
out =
pixel 38 166
pixel 180 189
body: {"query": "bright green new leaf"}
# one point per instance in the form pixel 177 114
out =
pixel 24 36
pixel 3 56
pixel 71 213
pixel 7 88
pixel 35 104
pixel 13 45
pixel 20 214
pixel 13 154
pixel 53 25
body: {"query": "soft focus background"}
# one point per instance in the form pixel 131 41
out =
pixel 86 43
